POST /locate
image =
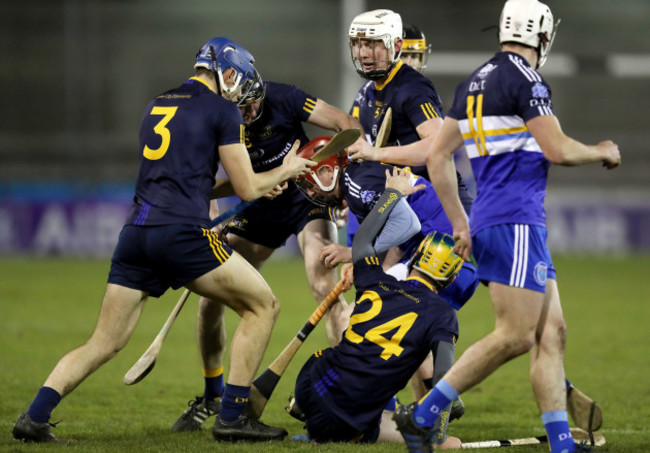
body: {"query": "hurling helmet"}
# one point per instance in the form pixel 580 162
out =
pixel 528 22
pixel 436 259
pixel 415 47
pixel 379 24
pixel 310 184
pixel 219 54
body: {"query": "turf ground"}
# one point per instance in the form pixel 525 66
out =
pixel 49 306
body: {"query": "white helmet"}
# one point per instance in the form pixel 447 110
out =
pixel 528 22
pixel 379 24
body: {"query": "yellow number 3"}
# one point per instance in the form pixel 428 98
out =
pixel 160 129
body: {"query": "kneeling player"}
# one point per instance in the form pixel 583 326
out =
pixel 395 324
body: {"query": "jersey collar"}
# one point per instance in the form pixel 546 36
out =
pixel 203 82
pixel 391 74
pixel 423 281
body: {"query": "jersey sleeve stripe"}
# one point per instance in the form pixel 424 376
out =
pixel 309 106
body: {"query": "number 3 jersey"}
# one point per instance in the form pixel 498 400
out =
pixel 392 329
pixel 180 134
pixel 492 108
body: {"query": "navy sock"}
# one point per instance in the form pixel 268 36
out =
pixel 213 384
pixel 44 403
pixel 428 383
pixel 433 403
pixel 233 402
pixel 557 429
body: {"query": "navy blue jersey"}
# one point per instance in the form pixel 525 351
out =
pixel 179 137
pixel 362 183
pixel 271 136
pixel 412 98
pixel 492 108
pixel 393 327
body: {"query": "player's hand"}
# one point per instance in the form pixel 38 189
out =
pixel 401 180
pixel 362 150
pixel 333 254
pixel 463 247
pixel 277 190
pixel 347 273
pixel 341 216
pixel 295 165
pixel 612 157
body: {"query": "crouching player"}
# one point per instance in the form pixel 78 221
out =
pixel 342 391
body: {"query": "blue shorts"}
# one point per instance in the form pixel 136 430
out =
pixel 322 425
pixel 514 255
pixel 154 258
pixel 271 222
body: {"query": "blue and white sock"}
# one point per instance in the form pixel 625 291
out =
pixel 433 403
pixel 557 430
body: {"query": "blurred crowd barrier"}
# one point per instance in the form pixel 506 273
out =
pixel 79 221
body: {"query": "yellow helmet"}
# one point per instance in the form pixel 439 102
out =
pixel 436 259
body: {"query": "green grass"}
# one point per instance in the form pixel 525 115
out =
pixel 49 306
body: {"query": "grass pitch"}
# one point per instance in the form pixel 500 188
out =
pixel 49 306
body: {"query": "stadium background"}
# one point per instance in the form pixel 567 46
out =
pixel 77 75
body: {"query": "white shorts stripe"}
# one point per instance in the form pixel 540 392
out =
pixel 514 258
pixel 519 257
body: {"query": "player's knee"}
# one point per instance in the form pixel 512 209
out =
pixel 516 345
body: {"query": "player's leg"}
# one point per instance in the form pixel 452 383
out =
pixel 120 311
pixel 547 371
pixel 313 237
pixel 238 285
pixel 212 341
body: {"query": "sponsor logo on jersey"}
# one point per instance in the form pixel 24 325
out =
pixel 368 196
pixel 488 68
pixel 540 91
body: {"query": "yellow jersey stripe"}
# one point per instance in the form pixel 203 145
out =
pixel 495 132
pixel 425 111
pixel 309 106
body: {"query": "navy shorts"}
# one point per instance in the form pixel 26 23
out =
pixel 514 255
pixel 154 258
pixel 271 222
pixel 322 425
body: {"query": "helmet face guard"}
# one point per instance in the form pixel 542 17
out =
pixel 318 191
pixel 220 54
pixel 436 259
pixel 528 22
pixel 380 25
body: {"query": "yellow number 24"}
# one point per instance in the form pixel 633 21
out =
pixel 376 334
pixel 160 129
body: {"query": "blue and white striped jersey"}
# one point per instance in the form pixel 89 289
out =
pixel 492 108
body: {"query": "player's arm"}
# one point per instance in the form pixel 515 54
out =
pixel 560 149
pixel 249 185
pixel 397 185
pixel 414 153
pixel 329 117
pixel 442 172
